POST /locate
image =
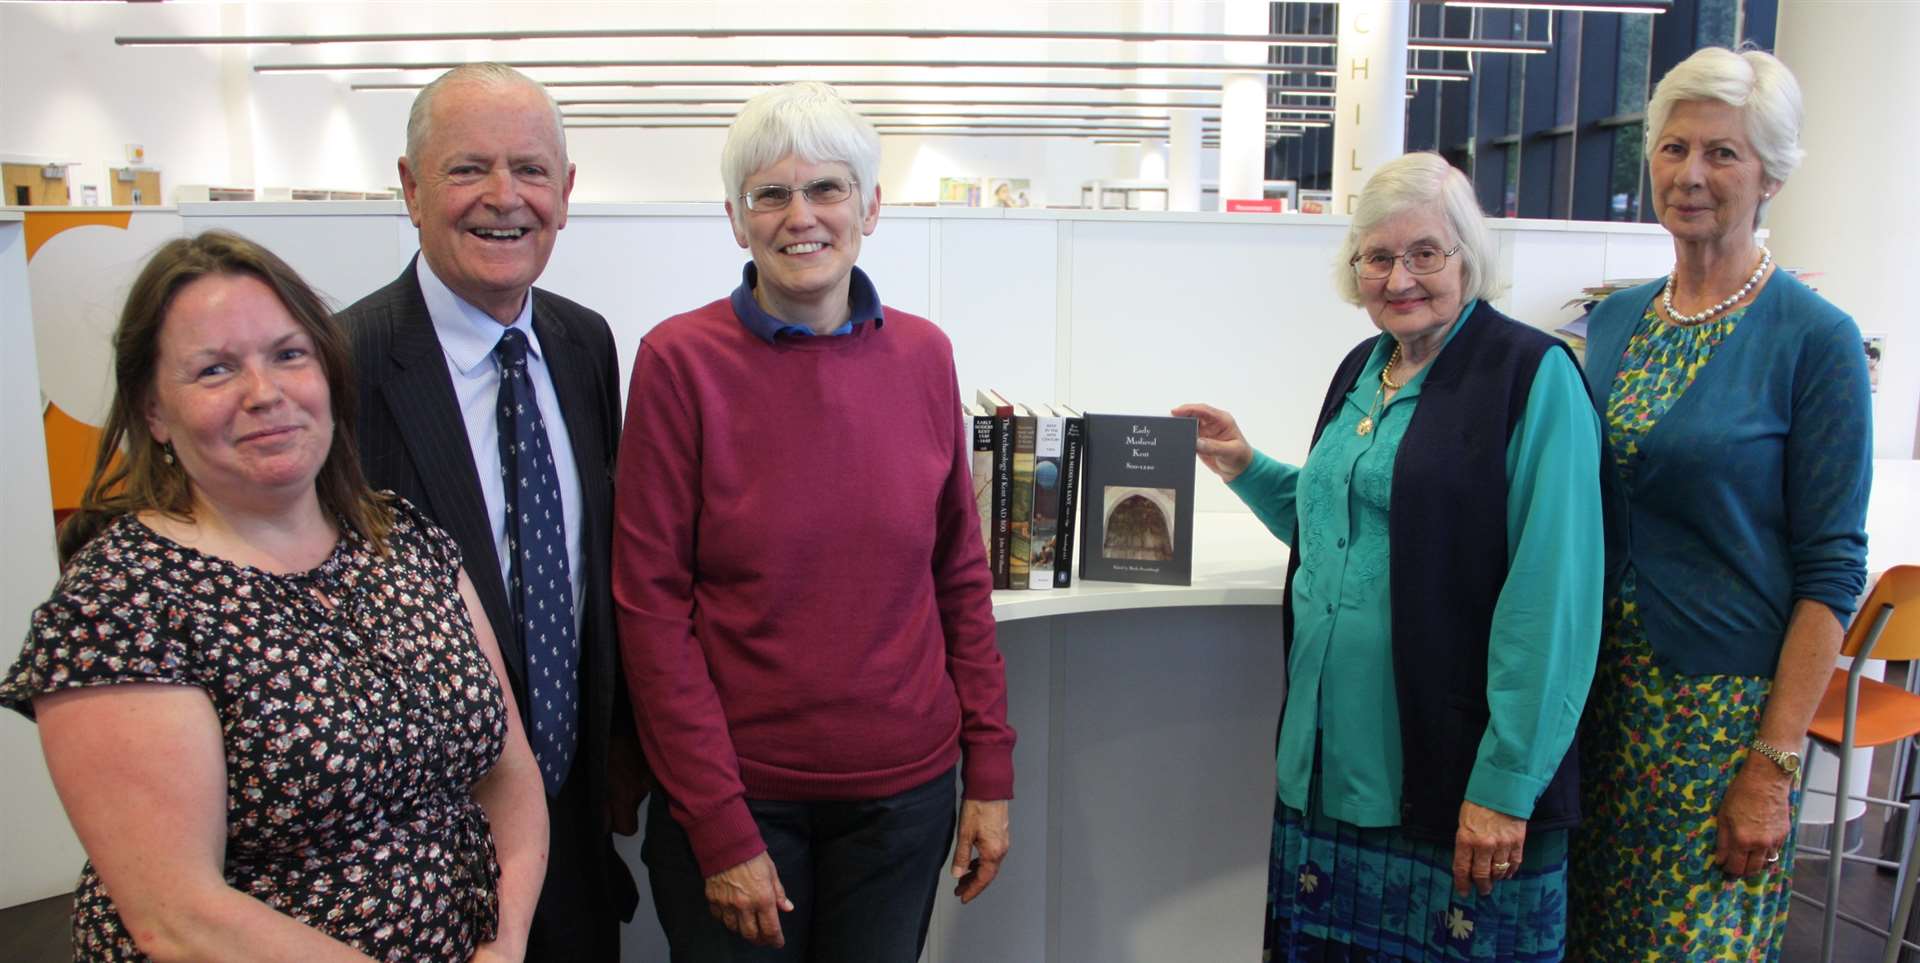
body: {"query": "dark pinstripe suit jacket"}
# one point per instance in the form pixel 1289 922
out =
pixel 413 441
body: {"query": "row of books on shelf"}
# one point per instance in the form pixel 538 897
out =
pixel 1048 476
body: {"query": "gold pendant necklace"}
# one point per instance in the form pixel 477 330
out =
pixel 1365 427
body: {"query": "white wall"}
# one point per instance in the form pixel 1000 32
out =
pixel 1123 312
pixel 68 93
pixel 38 851
pixel 1853 208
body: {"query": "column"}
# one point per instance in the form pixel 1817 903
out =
pixel 1243 106
pixel 236 101
pixel 1182 171
pixel 1183 161
pixel 1852 210
pixel 1370 99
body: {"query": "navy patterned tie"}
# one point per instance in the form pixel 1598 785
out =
pixel 540 587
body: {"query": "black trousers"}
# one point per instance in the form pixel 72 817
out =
pixel 862 877
pixel 576 919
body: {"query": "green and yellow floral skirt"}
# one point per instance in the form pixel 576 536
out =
pixel 1657 751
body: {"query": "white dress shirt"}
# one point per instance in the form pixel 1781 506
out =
pixel 468 336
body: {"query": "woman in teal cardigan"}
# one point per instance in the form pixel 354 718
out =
pixel 1444 610
pixel 1738 426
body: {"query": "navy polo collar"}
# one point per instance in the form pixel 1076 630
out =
pixel 861 298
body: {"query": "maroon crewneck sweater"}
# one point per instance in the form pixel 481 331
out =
pixel 805 609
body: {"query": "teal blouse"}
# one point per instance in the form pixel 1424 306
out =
pixel 1545 627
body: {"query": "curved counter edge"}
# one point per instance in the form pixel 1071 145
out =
pixel 1236 562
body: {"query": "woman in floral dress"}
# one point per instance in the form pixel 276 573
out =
pixel 1738 460
pixel 275 722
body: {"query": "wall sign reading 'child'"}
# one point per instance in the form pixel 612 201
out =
pixel 1137 509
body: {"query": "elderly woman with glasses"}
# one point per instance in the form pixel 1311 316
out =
pixel 1739 446
pixel 1442 604
pixel 805 607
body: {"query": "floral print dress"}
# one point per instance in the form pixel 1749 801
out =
pixel 1658 749
pixel 357 713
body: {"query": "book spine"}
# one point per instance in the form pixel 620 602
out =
pixel 1048 441
pixel 1020 568
pixel 1001 555
pixel 982 468
pixel 1070 457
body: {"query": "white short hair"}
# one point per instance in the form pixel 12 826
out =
pixel 1410 182
pixel 1756 83
pixel 420 118
pixel 808 118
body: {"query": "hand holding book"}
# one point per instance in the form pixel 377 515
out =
pixel 1219 444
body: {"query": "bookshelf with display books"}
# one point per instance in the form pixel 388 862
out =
pixel 1020 519
pixel 979 422
pixel 1072 447
pixel 1106 497
pixel 1049 439
pixel 999 528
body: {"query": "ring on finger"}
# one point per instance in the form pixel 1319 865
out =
pixel 1773 857
pixel 1502 867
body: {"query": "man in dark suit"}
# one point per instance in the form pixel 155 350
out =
pixel 479 393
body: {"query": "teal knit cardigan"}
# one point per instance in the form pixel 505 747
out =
pixel 1752 491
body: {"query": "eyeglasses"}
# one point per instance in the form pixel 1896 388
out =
pixel 1420 260
pixel 774 197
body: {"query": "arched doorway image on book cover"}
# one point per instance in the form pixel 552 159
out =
pixel 1139 523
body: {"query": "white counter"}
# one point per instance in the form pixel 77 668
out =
pixel 1236 562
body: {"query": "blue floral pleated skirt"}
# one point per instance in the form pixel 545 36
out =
pixel 1338 892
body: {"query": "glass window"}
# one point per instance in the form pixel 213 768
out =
pixel 1718 21
pixel 1510 197
pixel 1636 48
pixel 1623 189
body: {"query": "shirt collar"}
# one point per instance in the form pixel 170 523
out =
pixel 467 334
pixel 861 298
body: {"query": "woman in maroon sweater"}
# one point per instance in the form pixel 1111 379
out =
pixel 804 605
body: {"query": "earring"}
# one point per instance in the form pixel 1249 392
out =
pixel 166 452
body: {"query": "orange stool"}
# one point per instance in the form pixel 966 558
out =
pixel 1860 713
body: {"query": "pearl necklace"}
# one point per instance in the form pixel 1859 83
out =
pixel 1365 427
pixel 1666 296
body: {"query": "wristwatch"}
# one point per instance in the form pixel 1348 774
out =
pixel 1789 762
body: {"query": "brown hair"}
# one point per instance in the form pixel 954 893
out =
pixel 129 472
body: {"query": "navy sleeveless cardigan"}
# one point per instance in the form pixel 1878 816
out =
pixel 1447 527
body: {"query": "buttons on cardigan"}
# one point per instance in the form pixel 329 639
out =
pixel 1340 543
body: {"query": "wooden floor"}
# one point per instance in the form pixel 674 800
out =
pixel 39 932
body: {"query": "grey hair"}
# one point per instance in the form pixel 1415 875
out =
pixel 486 74
pixel 1755 82
pixel 807 118
pixel 1414 181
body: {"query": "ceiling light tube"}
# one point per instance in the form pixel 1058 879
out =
pixel 1572 6
pixel 1285 91
pixel 882 102
pixel 1108 36
pixel 1178 66
pixel 875 117
pixel 1479 45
